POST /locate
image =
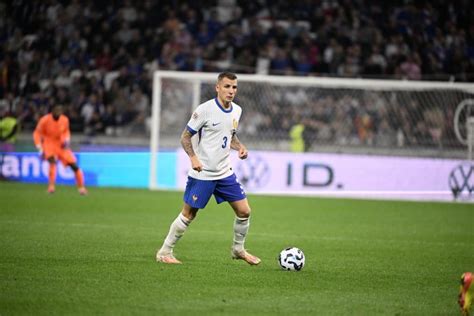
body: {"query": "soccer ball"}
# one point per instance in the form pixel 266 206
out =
pixel 291 259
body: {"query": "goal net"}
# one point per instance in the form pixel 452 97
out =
pixel 338 115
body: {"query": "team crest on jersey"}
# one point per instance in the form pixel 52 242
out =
pixel 235 124
pixel 195 115
pixel 195 197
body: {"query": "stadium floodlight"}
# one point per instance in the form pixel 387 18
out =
pixel 340 115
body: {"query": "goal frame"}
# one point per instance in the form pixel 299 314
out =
pixel 195 78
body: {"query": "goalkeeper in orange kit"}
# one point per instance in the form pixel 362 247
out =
pixel 52 139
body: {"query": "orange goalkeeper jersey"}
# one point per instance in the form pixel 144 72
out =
pixel 52 133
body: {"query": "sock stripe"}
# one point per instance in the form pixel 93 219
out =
pixel 184 220
pixel 242 220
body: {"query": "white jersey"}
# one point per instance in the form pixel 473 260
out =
pixel 214 126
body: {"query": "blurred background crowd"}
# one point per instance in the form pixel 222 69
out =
pixel 97 57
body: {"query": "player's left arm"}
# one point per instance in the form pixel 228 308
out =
pixel 237 145
pixel 66 135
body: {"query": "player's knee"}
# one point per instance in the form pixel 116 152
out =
pixel 244 212
pixel 51 160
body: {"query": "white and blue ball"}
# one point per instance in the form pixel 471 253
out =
pixel 291 259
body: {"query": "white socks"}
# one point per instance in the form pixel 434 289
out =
pixel 241 227
pixel 181 223
pixel 177 229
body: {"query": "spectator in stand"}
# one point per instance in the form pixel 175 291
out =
pixel 9 128
pixel 410 68
pixel 104 59
pixel 281 62
pixel 91 113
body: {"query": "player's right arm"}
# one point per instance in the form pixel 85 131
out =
pixel 196 122
pixel 38 134
pixel 188 148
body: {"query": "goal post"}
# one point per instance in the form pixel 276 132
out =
pixel 470 136
pixel 339 115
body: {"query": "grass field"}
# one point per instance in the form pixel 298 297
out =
pixel 67 254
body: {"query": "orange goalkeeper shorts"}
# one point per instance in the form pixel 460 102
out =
pixel 65 155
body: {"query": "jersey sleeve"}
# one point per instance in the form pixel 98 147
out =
pixel 39 131
pixel 238 119
pixel 197 120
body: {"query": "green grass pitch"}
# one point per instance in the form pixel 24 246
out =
pixel 67 254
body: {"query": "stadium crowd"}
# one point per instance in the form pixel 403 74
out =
pixel 97 57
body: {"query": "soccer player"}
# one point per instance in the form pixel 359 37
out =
pixel 52 139
pixel 214 126
pixel 466 293
pixel 9 127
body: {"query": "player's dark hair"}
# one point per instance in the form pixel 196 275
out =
pixel 226 74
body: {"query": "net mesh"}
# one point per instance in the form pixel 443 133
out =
pixel 339 118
